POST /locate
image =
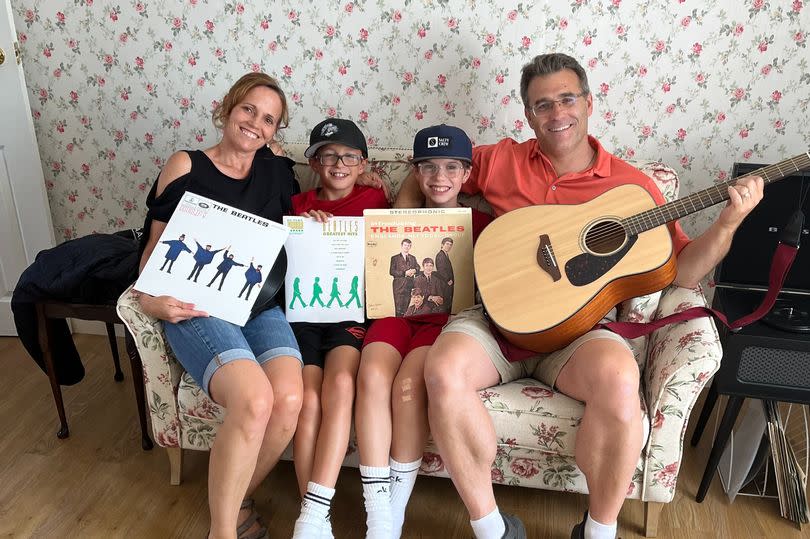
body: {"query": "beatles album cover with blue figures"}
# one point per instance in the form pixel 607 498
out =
pixel 214 256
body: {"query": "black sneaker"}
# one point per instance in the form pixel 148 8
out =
pixel 579 530
pixel 514 527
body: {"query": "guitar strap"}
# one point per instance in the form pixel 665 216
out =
pixel 780 265
pixel 783 257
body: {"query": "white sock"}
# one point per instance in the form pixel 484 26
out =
pixel 403 478
pixel 314 508
pixel 377 495
pixel 326 530
pixel 490 526
pixel 597 530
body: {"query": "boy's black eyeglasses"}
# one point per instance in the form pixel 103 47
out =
pixel 348 159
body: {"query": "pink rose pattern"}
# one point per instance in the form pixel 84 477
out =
pixel 535 392
pixel 698 93
pixel 431 463
pixel 526 468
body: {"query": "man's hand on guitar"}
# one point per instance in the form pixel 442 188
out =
pixel 743 197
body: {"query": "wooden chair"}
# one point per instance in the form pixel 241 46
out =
pixel 102 313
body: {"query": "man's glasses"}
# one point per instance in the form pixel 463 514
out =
pixel 348 159
pixel 544 107
pixel 451 170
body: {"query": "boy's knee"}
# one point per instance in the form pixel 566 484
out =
pixel 339 389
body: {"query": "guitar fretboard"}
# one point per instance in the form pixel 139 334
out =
pixel 716 194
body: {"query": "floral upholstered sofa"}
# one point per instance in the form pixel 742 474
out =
pixel 536 426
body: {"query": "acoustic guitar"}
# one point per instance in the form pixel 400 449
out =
pixel 547 274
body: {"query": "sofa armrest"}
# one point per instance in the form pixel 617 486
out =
pixel 681 358
pixel 161 372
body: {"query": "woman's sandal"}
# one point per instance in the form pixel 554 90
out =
pixel 253 518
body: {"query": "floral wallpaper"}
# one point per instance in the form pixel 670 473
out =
pixel 117 86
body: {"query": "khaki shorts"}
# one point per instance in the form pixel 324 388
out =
pixel 543 367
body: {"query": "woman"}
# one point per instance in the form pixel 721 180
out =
pixel 254 371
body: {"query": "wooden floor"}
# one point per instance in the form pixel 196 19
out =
pixel 100 483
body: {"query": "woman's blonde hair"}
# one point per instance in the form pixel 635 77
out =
pixel 241 88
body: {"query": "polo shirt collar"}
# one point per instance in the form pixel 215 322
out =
pixel 601 166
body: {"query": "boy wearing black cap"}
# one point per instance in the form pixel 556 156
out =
pixel 330 351
pixel 338 154
pixel 391 413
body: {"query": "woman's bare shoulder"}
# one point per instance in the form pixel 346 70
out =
pixel 178 165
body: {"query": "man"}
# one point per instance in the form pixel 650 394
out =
pixel 444 269
pixel 317 290
pixel 403 268
pixel 297 294
pixel 334 294
pixel 433 288
pixel 563 165
pixel 202 257
pixel 176 247
pixel 418 306
pixel 253 276
pixel 224 267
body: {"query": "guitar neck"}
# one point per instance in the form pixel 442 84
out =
pixel 716 194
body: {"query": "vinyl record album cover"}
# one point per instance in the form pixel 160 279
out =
pixel 418 261
pixel 214 256
pixel 324 281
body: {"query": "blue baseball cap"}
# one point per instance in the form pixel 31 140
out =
pixel 442 142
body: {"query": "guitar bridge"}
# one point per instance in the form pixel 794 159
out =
pixel 546 259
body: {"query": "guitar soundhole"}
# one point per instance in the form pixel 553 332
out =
pixel 605 237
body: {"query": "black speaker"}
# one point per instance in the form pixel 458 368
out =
pixel 777 367
pixel 761 359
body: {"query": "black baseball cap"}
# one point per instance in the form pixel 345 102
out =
pixel 442 142
pixel 336 131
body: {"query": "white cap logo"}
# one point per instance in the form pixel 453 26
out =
pixel 328 130
pixel 437 142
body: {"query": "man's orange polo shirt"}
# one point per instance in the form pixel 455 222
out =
pixel 514 175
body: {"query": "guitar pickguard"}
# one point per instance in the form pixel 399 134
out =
pixel 585 268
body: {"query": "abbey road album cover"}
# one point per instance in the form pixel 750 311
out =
pixel 214 256
pixel 418 261
pixel 324 281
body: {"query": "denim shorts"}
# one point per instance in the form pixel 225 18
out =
pixel 202 345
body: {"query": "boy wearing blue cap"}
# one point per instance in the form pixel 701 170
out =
pixel 391 410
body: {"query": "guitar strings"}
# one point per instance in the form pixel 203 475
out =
pixel 652 218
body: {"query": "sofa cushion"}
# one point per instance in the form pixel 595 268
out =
pixel 193 402
pixel 529 416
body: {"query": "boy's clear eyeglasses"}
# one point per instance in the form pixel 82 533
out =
pixel 348 159
pixel 451 170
